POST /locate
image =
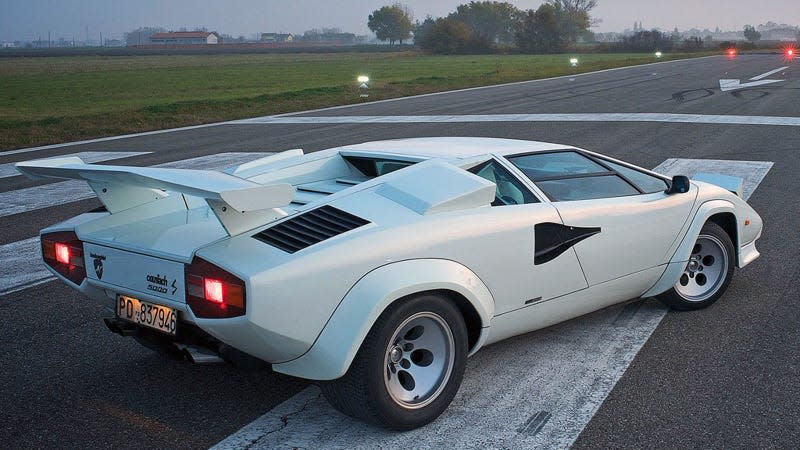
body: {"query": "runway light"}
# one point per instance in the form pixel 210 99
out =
pixel 363 79
pixel 732 52
pixel 658 54
pixel 573 62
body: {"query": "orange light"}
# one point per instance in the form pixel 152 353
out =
pixel 213 290
pixel 747 222
pixel 62 253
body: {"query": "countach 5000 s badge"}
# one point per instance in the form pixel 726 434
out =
pixel 98 264
pixel 160 283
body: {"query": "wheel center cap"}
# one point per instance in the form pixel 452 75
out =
pixel 396 354
pixel 693 264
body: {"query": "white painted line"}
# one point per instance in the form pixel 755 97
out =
pixel 8 170
pixel 566 117
pixel 171 130
pixel 22 266
pixel 732 85
pixel 750 171
pixel 766 74
pixel 47 195
pixel 533 391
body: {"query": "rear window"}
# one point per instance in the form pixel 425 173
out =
pixel 375 167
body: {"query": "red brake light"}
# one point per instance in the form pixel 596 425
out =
pixel 212 292
pixel 63 252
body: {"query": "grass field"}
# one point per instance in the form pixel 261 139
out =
pixel 57 99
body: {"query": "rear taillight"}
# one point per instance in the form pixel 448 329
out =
pixel 64 253
pixel 213 293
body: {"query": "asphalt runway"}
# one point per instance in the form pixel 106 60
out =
pixel 724 377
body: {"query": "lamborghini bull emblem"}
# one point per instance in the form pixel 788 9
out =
pixel 98 264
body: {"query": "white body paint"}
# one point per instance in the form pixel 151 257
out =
pixel 431 211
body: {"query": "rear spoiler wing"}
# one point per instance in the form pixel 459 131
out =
pixel 239 204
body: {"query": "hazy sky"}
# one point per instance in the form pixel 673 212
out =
pixel 29 19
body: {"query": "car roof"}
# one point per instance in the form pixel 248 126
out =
pixel 452 147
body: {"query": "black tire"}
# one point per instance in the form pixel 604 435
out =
pixel 369 390
pixel 707 274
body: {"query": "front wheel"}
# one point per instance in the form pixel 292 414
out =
pixel 707 274
pixel 409 366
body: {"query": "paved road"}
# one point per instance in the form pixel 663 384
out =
pixel 725 377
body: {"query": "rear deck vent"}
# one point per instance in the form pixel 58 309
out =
pixel 310 228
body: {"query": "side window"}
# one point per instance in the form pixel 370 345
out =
pixel 647 183
pixel 569 175
pixel 509 190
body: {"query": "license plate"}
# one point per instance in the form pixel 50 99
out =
pixel 154 316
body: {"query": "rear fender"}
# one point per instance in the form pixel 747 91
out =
pixel 334 350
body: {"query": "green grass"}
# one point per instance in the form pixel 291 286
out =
pixel 55 99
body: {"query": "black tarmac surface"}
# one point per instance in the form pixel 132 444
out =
pixel 725 377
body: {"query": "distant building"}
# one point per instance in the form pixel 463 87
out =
pixel 276 38
pixel 8 44
pixel 185 38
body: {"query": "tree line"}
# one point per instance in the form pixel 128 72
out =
pixel 487 26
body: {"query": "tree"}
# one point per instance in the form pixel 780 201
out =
pixel 391 23
pixel 421 28
pixel 489 20
pixel 647 41
pixel 447 36
pixel 751 34
pixel 573 17
pixel 539 31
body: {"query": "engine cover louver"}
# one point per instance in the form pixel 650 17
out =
pixel 310 228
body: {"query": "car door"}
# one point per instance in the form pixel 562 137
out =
pixel 625 220
pixel 514 271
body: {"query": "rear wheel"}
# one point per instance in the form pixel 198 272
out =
pixel 409 366
pixel 707 274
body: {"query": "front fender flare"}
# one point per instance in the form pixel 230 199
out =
pixel 334 350
pixel 677 263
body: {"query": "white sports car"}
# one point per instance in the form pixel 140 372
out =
pixel 378 268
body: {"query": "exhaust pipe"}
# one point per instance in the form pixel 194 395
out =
pixel 199 355
pixel 120 327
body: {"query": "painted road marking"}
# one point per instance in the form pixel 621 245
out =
pixel 726 85
pixel 22 267
pixel 388 100
pixel 532 391
pixel 568 117
pixel 8 170
pixel 766 74
pixel 59 193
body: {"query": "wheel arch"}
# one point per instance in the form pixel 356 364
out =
pixel 339 341
pixel 719 210
pixel 727 221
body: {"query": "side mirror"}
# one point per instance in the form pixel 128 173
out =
pixel 680 185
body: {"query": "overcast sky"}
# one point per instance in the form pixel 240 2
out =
pixel 29 19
